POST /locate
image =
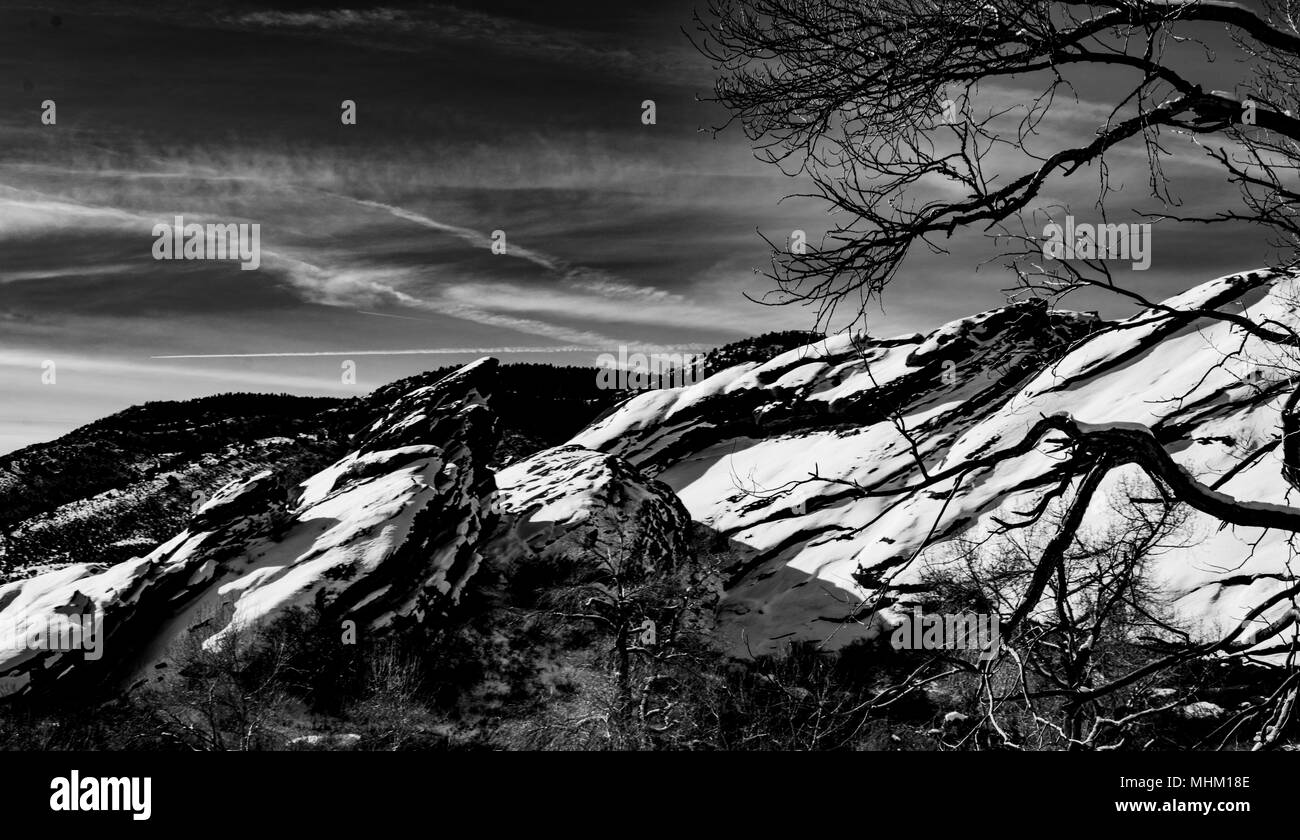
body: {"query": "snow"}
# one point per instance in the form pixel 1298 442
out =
pixel 576 501
pixel 799 462
pixel 382 533
pixel 813 552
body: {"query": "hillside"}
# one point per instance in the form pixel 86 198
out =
pixel 117 487
pixel 727 550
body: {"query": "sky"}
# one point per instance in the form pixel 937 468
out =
pixel 471 118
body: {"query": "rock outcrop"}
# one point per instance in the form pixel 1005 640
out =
pixel 577 502
pixel 803 462
pixel 388 534
pixel 814 465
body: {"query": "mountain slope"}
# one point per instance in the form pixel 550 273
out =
pixel 740 449
pixel 815 464
pixel 116 488
pixel 387 534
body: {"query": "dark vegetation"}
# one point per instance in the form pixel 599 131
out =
pixel 574 653
pixel 585 652
pixel 758 349
pixel 892 116
pixel 115 488
pixel 603 653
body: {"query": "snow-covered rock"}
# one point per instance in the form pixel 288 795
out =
pixel 341 741
pixel 742 447
pixel 1201 710
pixel 575 501
pixel 800 462
pixel 386 535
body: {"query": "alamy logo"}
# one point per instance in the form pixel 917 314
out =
pixel 1087 241
pixel 646 371
pixel 121 793
pixel 955 631
pixel 61 631
pixel 57 632
pixel 230 241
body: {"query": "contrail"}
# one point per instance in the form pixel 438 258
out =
pixel 434 351
pixel 466 234
pixel 444 351
pixel 401 317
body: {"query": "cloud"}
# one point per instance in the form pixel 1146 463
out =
pixel 110 371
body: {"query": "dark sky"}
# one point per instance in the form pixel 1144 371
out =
pixel 472 117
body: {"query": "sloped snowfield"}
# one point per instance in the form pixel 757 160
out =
pixel 739 449
pixel 386 534
pixel 385 537
pixel 778 457
pixel 567 500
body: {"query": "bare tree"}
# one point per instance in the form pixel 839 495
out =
pixel 890 112
pixel 875 104
pixel 1101 614
pixel 652 620
pixel 228 694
